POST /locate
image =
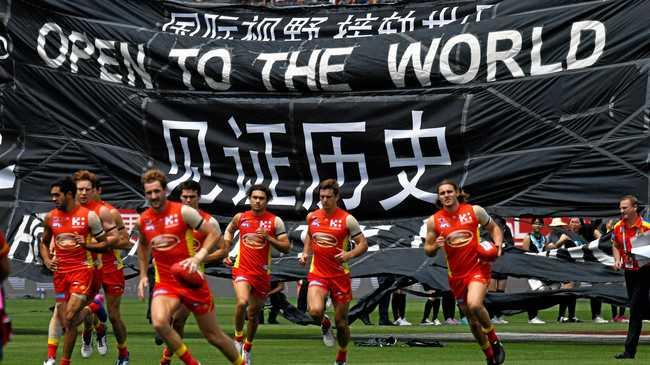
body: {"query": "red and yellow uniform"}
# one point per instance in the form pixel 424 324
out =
pixel 253 263
pixel 75 264
pixel 623 236
pixel 329 236
pixel 170 235
pixel 109 263
pixel 460 230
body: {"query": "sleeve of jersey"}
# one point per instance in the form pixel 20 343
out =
pixel 95 224
pixel 279 227
pixel 191 217
pixel 482 215
pixel 353 226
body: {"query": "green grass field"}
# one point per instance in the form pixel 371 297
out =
pixel 292 344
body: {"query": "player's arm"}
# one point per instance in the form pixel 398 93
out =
pixel 193 218
pixel 228 235
pixel 280 239
pixel 4 260
pixel 144 250
pixel 44 245
pixel 490 226
pixel 306 245
pixel 122 235
pixel 432 242
pixel 616 247
pixel 102 241
pixel 221 251
pixel 357 235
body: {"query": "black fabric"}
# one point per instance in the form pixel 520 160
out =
pixel 638 290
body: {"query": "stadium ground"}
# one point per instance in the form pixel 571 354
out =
pixel 292 344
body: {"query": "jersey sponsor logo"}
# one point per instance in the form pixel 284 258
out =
pixel 459 238
pixel 336 223
pixel 66 241
pixel 78 221
pixel 171 220
pixel 164 242
pixel 324 240
pixel 465 218
pixel 56 222
pixel 443 223
pixel 254 241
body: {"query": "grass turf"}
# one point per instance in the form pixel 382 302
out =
pixel 292 344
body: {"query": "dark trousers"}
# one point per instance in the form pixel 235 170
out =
pixel 638 288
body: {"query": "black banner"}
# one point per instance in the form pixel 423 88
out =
pixel 534 108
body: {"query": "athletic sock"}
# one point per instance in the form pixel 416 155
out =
pixel 491 334
pixel 166 357
pixel 487 350
pixel 248 346
pixel 326 323
pixel 100 329
pixel 65 361
pixel 342 354
pixel 239 336
pixel 123 351
pixel 184 354
pixel 52 346
pixel 87 335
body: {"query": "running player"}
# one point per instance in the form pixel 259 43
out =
pixel 190 196
pixel 259 230
pixel 71 226
pixel 328 237
pixel 455 228
pixel 166 232
pixel 109 264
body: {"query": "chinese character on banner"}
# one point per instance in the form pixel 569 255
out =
pixel 338 158
pixel 409 186
pixel 298 26
pixel 182 130
pixel 261 30
pixel 407 23
pixel 215 30
pixel 183 24
pixel 361 27
pixel 272 162
pixel 440 19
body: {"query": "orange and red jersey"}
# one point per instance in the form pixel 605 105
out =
pixel 460 230
pixel 199 236
pixel 254 252
pixel 329 236
pixel 111 260
pixel 66 226
pixel 170 237
pixel 623 236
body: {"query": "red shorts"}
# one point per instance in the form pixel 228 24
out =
pixel 198 301
pixel 339 287
pixel 459 285
pixel 113 282
pixel 74 282
pixel 261 285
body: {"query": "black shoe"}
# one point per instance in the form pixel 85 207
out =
pixel 366 321
pixel 624 355
pixel 386 323
pixel 499 352
pixel 158 340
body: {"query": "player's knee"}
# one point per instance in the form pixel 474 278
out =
pixel 242 303
pixel 316 312
pixel 114 316
pixel 341 323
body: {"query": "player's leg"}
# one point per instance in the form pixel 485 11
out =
pixel 342 330
pixel 476 291
pixel 255 305
pixel 242 294
pixel 210 328
pixel 87 336
pixel 72 313
pixel 316 299
pixel 178 324
pixel 162 309
pixel 113 303
pixel 54 332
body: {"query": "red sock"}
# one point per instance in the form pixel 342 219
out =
pixel 491 334
pixel 489 354
pixel 167 353
pixel 248 346
pixel 51 350
pixel 123 352
pixel 94 307
pixel 326 323
pixel 100 329
pixel 65 361
pixel 342 355
pixel 166 358
pixel 184 354
pixel 239 336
